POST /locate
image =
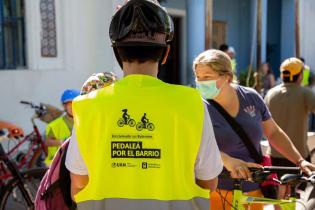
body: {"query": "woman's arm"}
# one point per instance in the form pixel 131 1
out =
pixel 282 143
pixel 52 142
pixel 238 168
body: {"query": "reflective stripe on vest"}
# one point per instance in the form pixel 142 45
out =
pixel 60 131
pixel 139 139
pixel 128 204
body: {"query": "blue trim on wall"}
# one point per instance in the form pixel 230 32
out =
pixel 274 35
pixel 287 29
pixel 195 32
pixel 236 14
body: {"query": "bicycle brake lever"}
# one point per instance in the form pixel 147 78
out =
pixel 260 175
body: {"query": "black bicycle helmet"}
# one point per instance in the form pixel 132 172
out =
pixel 141 22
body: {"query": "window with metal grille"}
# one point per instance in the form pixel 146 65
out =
pixel 12 34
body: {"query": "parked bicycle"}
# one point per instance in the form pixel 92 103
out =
pixel 27 151
pixel 293 178
pixel 19 191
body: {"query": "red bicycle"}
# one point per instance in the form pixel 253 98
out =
pixel 26 151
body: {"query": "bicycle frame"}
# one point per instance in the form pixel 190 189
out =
pixel 31 153
pixel 240 199
pixel 15 173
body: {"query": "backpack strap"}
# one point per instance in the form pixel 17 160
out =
pixel 50 190
pixel 238 129
pixel 65 181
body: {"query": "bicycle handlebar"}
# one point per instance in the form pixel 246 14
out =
pixel 261 174
pixel 31 104
pixel 280 169
pixel 39 109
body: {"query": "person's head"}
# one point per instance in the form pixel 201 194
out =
pixel 66 99
pixel 265 69
pixel 231 52
pixel 213 70
pixel 140 31
pixel 292 70
pixel 98 81
pixel 224 47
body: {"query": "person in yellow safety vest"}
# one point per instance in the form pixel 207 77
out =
pixel 169 163
pixel 60 129
pixel 306 74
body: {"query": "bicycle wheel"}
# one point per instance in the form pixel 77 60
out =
pixel 150 127
pixel 11 196
pixel 121 122
pixel 132 123
pixel 139 126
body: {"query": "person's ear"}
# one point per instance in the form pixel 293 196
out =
pixel 166 53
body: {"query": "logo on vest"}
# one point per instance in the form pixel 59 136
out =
pixel 133 149
pixel 126 120
pixel 250 110
pixel 143 124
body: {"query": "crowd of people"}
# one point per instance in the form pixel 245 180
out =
pixel 176 163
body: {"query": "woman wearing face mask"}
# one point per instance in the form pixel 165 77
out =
pixel 214 80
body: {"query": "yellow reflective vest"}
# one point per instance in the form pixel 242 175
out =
pixel 61 131
pixel 139 139
pixel 306 76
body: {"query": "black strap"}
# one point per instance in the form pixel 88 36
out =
pixel 239 131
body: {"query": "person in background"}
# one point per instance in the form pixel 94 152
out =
pixel 306 73
pixel 214 78
pixel 224 48
pixel 60 129
pixel 14 131
pixel 231 52
pixel 266 77
pixel 290 105
pixel 97 81
pixel 311 120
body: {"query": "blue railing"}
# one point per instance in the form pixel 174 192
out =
pixel 12 34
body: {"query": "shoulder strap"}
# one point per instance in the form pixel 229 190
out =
pixel 238 130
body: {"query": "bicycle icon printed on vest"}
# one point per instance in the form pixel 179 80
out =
pixel 145 124
pixel 126 120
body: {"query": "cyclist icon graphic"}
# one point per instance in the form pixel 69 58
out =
pixel 126 120
pixel 145 124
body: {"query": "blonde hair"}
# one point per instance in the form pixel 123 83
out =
pixel 217 60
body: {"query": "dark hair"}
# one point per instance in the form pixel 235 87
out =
pixel 140 54
pixel 302 59
pixel 224 47
pixel 286 79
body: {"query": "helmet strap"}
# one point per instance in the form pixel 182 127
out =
pixel 166 53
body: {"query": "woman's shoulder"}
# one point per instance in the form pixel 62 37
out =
pixel 250 95
pixel 247 91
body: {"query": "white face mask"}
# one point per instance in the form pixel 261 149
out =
pixel 208 89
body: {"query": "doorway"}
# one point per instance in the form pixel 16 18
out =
pixel 170 72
